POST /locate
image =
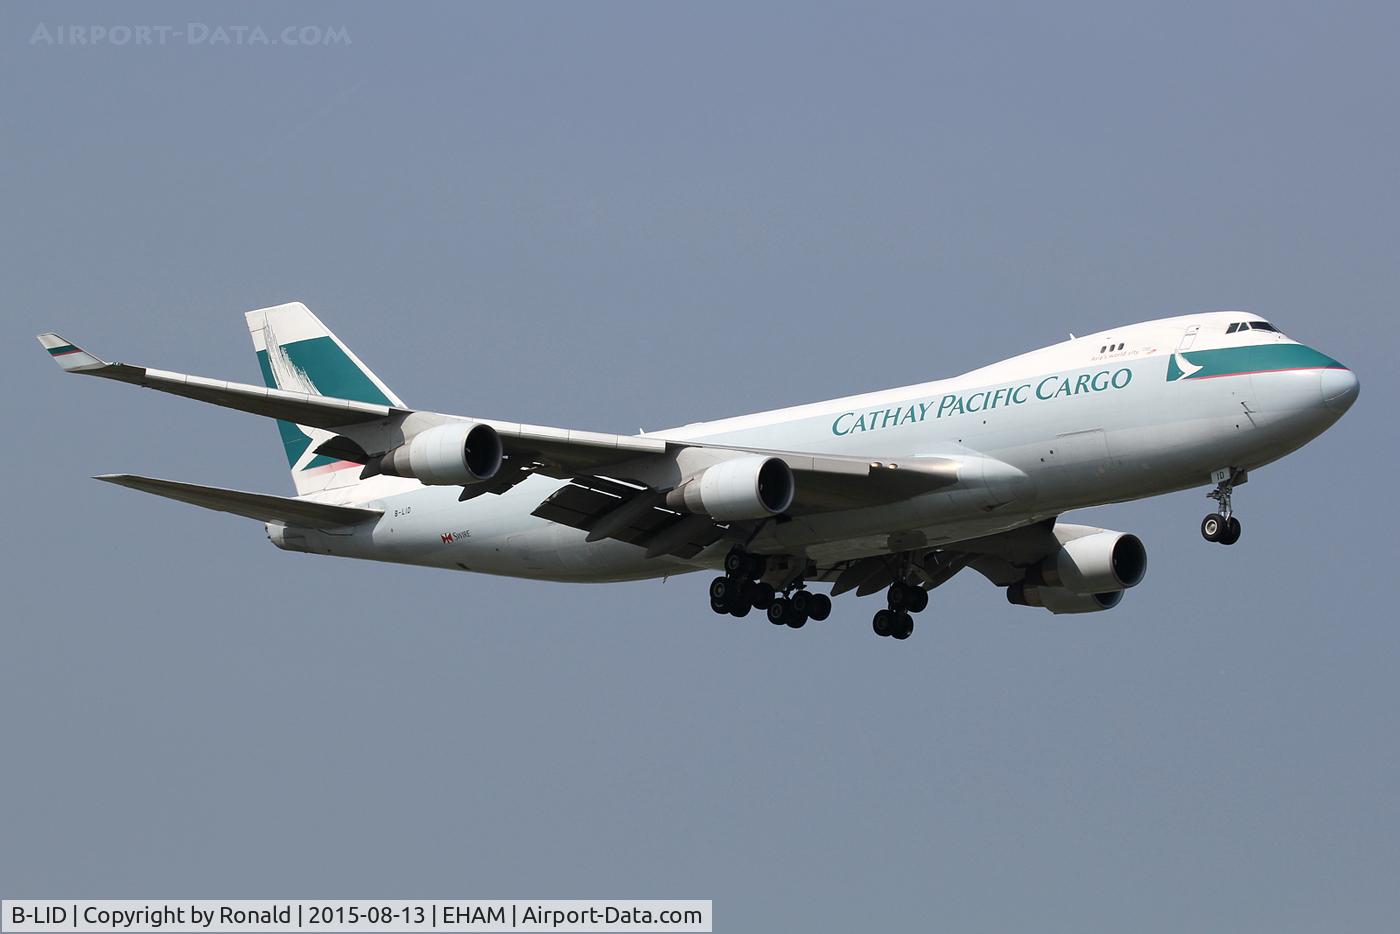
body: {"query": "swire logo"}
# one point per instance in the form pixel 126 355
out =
pixel 450 537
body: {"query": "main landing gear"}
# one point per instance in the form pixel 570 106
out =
pixel 1222 526
pixel 740 591
pixel 896 621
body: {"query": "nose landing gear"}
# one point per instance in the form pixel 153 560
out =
pixel 1222 526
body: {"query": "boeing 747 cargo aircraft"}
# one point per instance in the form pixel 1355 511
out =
pixel 892 491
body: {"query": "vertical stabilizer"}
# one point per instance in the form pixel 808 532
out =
pixel 296 352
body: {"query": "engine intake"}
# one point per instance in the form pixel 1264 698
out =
pixel 741 488
pixel 456 454
pixel 1096 563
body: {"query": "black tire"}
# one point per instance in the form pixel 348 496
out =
pixel 801 602
pixel 918 599
pixel 779 612
pixel 761 595
pixel 903 627
pixel 883 624
pixel 797 620
pixel 740 608
pixel 1231 532
pixel 722 588
pixel 736 564
pixel 719 606
pixel 820 607
pixel 1212 526
pixel 898 596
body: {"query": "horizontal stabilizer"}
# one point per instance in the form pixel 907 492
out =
pixel 261 506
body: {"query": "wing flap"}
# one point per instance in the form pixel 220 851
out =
pixel 588 502
pixel 261 506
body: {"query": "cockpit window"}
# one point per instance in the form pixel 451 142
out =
pixel 1251 326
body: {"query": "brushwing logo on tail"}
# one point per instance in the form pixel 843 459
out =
pixel 288 375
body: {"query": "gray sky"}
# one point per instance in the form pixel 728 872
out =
pixel 615 217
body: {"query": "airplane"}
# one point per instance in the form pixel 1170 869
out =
pixel 894 491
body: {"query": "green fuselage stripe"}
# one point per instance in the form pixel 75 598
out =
pixel 1258 358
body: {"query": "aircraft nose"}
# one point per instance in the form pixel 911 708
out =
pixel 1340 388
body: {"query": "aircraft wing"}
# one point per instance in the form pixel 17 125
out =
pixel 579 449
pixel 637 513
pixel 299 407
pixel 607 472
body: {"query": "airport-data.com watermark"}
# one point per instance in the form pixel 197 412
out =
pixel 213 35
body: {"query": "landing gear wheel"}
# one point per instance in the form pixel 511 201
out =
pixel 899 596
pixel 779 611
pixel 761 595
pixel 745 566
pixel 740 608
pixel 797 620
pixel 1222 526
pixel 724 589
pixel 819 607
pixel 918 599
pixel 903 626
pixel 801 603
pixel 884 622
pixel 719 606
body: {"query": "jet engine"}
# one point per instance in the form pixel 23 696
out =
pixel 455 454
pixel 741 488
pixel 1095 563
pixel 1059 600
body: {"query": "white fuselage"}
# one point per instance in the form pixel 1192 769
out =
pixel 1119 415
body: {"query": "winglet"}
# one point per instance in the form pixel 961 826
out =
pixel 68 355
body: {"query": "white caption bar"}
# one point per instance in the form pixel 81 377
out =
pixel 328 916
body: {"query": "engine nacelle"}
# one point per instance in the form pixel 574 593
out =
pixel 455 454
pixel 741 488
pixel 1059 600
pixel 1097 563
